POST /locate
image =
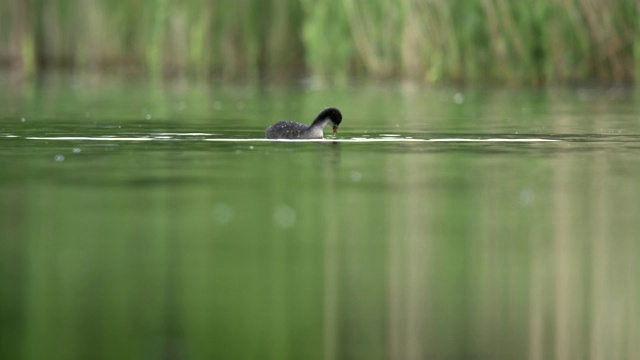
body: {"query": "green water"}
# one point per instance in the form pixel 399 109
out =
pixel 132 228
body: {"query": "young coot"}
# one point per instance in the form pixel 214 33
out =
pixel 294 130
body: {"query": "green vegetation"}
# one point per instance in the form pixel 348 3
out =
pixel 425 41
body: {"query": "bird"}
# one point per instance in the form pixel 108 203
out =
pixel 293 130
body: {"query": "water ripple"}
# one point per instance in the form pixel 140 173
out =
pixel 341 140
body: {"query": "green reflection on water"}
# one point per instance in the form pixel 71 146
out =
pixel 193 249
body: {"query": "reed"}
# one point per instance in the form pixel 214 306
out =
pixel 546 41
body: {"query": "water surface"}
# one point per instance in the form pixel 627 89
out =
pixel 147 220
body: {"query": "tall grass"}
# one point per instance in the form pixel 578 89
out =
pixel 520 42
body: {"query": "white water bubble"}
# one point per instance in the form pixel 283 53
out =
pixel 284 216
pixel 148 117
pixel 76 150
pixel 59 158
pixel 223 213
pixel 23 119
pixel 527 197
pixel 458 98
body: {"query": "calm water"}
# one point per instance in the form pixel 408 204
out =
pixel 152 221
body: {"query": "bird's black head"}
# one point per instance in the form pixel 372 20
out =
pixel 331 114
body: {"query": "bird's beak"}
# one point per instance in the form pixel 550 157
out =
pixel 335 130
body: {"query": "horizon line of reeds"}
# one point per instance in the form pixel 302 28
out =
pixel 503 41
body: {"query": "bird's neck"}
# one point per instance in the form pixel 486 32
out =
pixel 320 123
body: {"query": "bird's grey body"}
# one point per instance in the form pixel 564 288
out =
pixel 294 130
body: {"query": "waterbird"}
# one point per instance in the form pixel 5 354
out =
pixel 294 130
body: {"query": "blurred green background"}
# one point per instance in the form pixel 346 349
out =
pixel 141 237
pixel 515 42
